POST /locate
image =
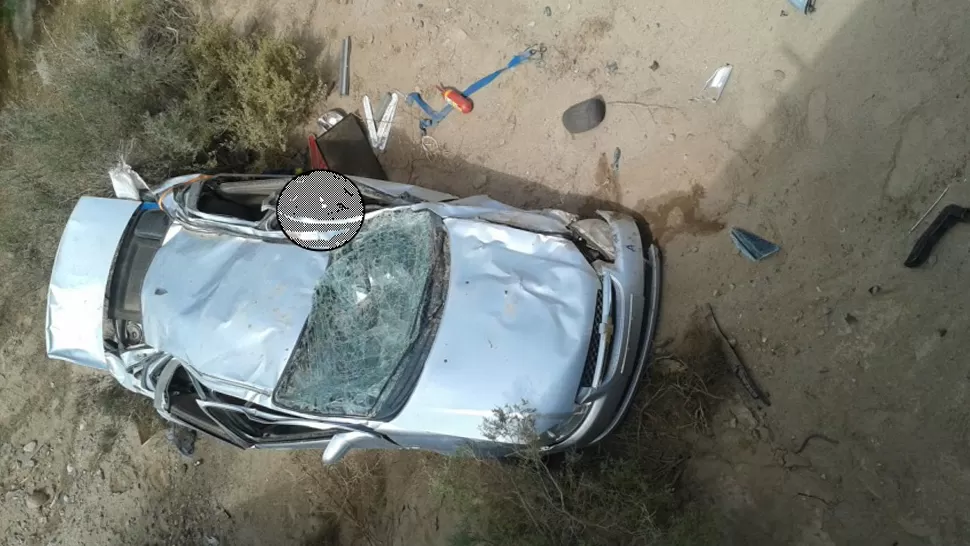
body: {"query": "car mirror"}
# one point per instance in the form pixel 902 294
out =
pixel 341 443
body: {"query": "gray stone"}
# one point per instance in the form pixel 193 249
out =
pixel 37 499
pixel 30 446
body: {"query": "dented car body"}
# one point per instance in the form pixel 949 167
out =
pixel 440 311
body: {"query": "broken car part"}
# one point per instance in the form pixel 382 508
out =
pixel 408 337
pixel 714 86
pixel 345 67
pixel 379 132
pixel 948 217
pixel 437 116
pixel 751 246
pixel 929 210
pixel 329 119
pixel 804 6
pixel 585 115
pixel 734 361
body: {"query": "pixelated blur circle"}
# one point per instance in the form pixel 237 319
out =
pixel 320 210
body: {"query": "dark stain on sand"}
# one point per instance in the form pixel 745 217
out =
pixel 678 212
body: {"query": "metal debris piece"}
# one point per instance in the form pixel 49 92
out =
pixel 714 86
pixel 379 132
pixel 329 119
pixel 654 66
pixel 929 210
pixel 804 6
pixel 345 68
pixel 369 125
pixel 734 361
pixel 751 246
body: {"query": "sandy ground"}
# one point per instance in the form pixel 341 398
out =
pixel 835 133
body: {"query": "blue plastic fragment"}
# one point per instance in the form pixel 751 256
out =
pixel 804 6
pixel 751 246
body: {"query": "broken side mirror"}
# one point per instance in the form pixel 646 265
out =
pixel 342 443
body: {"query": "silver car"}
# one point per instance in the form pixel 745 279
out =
pixel 438 312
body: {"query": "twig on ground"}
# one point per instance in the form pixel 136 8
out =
pixel 738 367
pixel 814 436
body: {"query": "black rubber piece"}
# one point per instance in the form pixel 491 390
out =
pixel 948 217
pixel 583 116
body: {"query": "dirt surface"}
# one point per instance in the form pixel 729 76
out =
pixel 836 131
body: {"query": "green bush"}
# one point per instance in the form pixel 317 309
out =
pixel 157 82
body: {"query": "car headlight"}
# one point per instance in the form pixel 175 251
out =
pixel 566 428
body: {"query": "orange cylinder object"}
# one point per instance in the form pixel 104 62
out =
pixel 455 98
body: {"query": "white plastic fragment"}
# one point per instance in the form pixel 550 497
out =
pixel 715 85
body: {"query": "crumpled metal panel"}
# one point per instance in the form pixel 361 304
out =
pixel 516 326
pixel 126 183
pixel 485 208
pixel 230 308
pixel 75 296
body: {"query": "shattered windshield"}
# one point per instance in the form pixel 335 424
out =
pixel 372 321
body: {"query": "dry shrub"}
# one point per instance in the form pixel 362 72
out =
pixel 156 81
pixel 627 490
pixel 354 491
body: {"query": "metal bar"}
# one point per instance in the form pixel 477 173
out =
pixel 345 68
pixel 929 210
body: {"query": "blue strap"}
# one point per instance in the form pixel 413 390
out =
pixel 436 117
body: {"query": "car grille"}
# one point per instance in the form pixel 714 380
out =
pixel 594 345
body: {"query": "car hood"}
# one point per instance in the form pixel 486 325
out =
pixel 515 329
pixel 75 296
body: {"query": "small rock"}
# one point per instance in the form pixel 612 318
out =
pixel 70 469
pixel 732 342
pixel 30 446
pixel 547 11
pixel 745 417
pixel 531 24
pixel 850 319
pixel 695 250
pixel 762 433
pixel 37 499
pixel 717 293
pixel 669 366
pixel 780 75
pixel 654 66
pixel 764 339
pixel 213 541
pixel 671 137
pixel 30 463
pixel 942 332
pixel 612 67
pixel 420 6
pixel 875 289
pixel 784 13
